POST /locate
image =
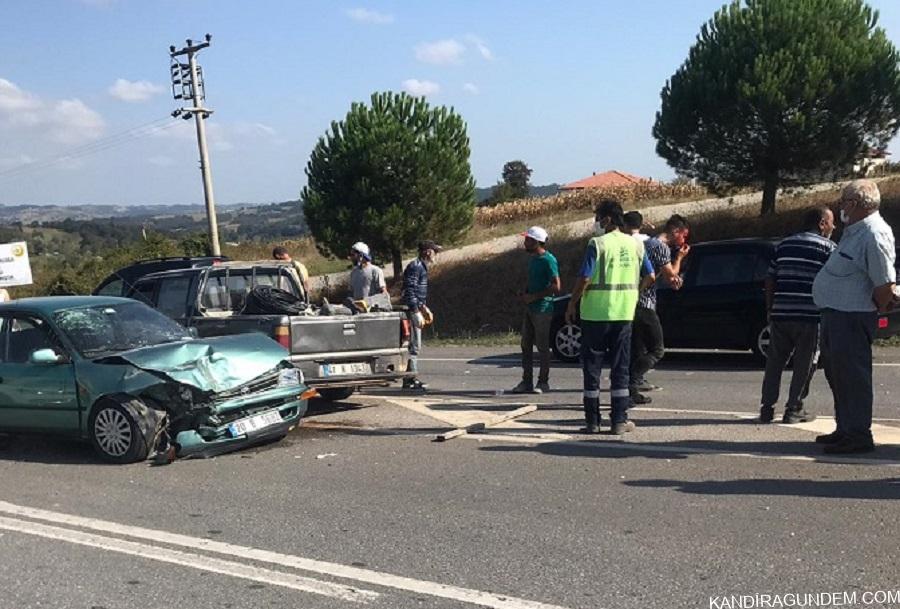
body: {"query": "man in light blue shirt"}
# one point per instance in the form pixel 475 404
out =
pixel 855 284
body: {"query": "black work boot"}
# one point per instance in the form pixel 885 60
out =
pixel 797 415
pixel 591 417
pixel 766 414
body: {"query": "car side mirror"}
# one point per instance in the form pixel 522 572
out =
pixel 46 357
pixel 193 332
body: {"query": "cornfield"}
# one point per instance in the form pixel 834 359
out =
pixel 512 211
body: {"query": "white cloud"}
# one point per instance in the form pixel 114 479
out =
pixel 481 47
pixel 12 162
pixel 442 52
pixel 134 90
pixel 419 88
pixel 68 121
pixel 13 99
pixel 74 122
pixel 364 15
pixel 471 88
pixel 254 129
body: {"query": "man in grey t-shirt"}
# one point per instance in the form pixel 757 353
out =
pixel 366 279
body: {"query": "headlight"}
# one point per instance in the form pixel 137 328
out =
pixel 288 377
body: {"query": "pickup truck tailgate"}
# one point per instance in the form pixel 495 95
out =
pixel 345 333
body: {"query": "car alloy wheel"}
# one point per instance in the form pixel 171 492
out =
pixel 113 433
pixel 568 341
pixel 763 338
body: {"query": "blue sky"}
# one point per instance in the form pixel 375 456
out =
pixel 569 87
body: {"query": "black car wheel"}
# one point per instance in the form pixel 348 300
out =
pixel 123 431
pixel 565 340
pixel 762 335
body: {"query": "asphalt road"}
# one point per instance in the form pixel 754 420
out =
pixel 361 507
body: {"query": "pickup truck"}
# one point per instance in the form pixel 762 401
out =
pixel 336 353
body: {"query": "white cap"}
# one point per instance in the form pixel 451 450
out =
pixel 361 247
pixel 537 233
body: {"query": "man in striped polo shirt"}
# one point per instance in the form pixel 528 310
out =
pixel 793 316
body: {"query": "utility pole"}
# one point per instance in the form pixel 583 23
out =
pixel 187 85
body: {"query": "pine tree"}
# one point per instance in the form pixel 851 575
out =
pixel 776 92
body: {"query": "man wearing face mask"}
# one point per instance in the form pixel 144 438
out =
pixel 854 285
pixel 793 316
pixel 606 294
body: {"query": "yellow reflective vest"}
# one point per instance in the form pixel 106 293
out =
pixel 612 294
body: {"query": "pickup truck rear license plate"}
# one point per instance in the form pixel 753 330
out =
pixel 254 423
pixel 349 369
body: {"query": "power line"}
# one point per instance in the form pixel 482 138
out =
pixel 95 147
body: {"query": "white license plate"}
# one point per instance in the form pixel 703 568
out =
pixel 349 369
pixel 254 423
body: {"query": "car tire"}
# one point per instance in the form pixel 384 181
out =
pixel 565 340
pixel 761 337
pixel 336 394
pixel 123 430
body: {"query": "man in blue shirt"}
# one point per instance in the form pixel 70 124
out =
pixel 415 295
pixel 855 284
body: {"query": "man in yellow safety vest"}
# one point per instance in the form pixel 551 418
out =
pixel 604 297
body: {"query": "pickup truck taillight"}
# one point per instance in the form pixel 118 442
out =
pixel 404 331
pixel 882 323
pixel 283 336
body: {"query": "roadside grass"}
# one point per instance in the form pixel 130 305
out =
pixel 893 341
pixel 303 249
pixel 476 298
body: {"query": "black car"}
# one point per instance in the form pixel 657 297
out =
pixel 720 306
pixel 120 282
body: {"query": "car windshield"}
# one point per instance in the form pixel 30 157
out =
pixel 107 329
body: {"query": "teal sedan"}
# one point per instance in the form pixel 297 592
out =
pixel 134 383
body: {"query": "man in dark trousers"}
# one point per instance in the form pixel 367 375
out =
pixel 606 294
pixel 415 296
pixel 857 282
pixel 647 346
pixel 542 285
pixel 793 316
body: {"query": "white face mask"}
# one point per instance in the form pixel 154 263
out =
pixel 845 217
pixel 599 231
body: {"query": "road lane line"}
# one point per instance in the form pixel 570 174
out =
pixel 187 559
pixel 368 576
pixel 673 450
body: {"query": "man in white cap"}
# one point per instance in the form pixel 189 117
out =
pixel 366 279
pixel 543 284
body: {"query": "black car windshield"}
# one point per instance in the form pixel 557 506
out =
pixel 107 329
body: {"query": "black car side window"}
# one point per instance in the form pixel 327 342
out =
pixel 725 268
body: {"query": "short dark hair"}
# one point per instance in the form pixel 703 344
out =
pixel 814 216
pixel 611 209
pixel 677 222
pixel 633 220
pixel 279 250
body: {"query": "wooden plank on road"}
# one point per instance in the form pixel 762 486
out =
pixel 481 426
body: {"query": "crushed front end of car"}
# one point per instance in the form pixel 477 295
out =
pixel 213 395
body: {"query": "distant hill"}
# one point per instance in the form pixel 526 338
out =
pixel 483 194
pixel 27 214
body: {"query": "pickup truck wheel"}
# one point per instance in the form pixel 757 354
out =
pixel 336 394
pixel 122 431
pixel 565 340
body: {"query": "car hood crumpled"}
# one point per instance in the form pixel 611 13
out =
pixel 209 364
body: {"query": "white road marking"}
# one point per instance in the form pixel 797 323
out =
pixel 674 450
pixel 408 584
pixel 187 559
pixel 487 360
